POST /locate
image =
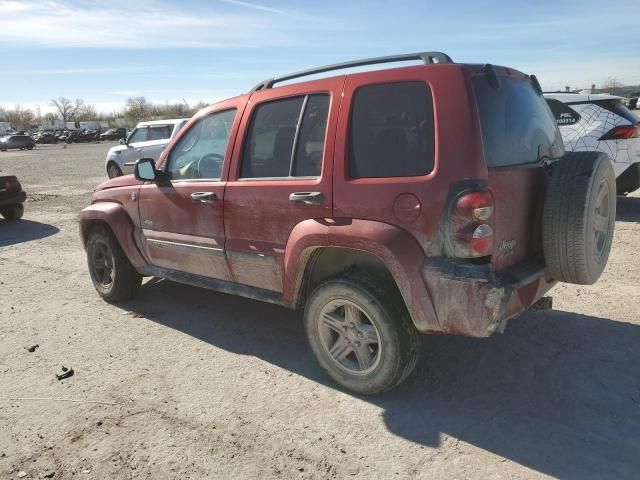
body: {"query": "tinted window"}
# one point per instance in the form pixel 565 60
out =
pixel 308 158
pixel 517 124
pixel 564 114
pixel 617 107
pixel 268 148
pixel 160 132
pixel 391 131
pixel 201 150
pixel 138 135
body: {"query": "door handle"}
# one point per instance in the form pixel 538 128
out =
pixel 139 150
pixel 307 198
pixel 203 197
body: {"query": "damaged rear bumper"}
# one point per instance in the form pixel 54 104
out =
pixel 473 300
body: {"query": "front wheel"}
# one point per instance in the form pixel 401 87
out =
pixel 30 147
pixel 113 170
pixel 361 334
pixel 112 274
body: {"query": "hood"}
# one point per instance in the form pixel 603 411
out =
pixel 123 181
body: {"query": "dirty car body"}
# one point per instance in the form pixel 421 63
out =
pixel 411 175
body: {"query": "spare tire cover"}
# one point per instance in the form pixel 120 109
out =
pixel 579 217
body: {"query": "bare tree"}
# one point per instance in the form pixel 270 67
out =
pixel 137 109
pixel 20 117
pixel 86 112
pixel 67 110
pixel 611 83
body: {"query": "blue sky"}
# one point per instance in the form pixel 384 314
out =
pixel 107 51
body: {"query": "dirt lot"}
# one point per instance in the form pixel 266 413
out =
pixel 197 384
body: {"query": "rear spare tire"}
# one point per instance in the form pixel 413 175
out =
pixel 579 217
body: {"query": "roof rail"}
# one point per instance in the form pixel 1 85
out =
pixel 429 58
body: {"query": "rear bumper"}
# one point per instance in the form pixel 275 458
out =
pixel 12 199
pixel 473 300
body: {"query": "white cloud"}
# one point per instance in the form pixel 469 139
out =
pixel 147 24
pixel 254 6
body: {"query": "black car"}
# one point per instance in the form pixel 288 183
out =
pixel 16 141
pixel 114 134
pixel 12 198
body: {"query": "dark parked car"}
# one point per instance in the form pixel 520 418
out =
pixel 12 198
pixel 114 134
pixel 21 141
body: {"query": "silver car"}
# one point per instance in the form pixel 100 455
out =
pixel 147 140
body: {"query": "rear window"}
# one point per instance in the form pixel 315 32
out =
pixel 517 124
pixel 160 132
pixel 619 108
pixel 391 131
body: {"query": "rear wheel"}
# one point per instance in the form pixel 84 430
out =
pixel 112 274
pixel 13 213
pixel 361 334
pixel 113 170
pixel 579 217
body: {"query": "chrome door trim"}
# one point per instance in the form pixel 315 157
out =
pixel 182 246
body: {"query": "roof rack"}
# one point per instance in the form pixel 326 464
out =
pixel 429 58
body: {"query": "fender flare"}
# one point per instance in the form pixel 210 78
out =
pixel 115 216
pixel 396 248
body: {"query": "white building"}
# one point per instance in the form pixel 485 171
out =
pixel 6 126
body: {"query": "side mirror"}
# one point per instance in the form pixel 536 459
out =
pixel 122 141
pixel 145 169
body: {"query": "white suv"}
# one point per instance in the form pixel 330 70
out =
pixel 601 122
pixel 147 140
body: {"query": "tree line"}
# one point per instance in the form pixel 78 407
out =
pixel 136 109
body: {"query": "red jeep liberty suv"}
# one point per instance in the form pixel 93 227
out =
pixel 434 198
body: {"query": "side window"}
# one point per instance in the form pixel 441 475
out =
pixel 564 114
pixel 201 150
pixel 280 127
pixel 160 132
pixel 391 132
pixel 138 135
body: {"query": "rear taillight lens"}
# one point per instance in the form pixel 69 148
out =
pixel 622 132
pixel 472 225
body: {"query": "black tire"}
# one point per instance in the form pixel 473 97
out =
pixel 13 213
pixel 579 217
pixel 30 147
pixel 123 281
pixel 113 170
pixel 381 305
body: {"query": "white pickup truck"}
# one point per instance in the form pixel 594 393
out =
pixel 147 140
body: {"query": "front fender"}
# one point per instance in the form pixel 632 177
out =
pixel 114 215
pixel 396 248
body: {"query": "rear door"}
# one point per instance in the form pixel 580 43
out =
pixel 518 132
pixel 280 176
pixel 159 136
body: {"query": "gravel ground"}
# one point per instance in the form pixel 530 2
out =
pixel 197 384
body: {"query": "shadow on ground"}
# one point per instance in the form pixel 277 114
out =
pixel 22 230
pixel 558 392
pixel 628 209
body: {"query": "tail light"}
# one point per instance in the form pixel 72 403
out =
pixel 622 132
pixel 472 225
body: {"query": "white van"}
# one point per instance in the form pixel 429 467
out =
pixel 147 140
